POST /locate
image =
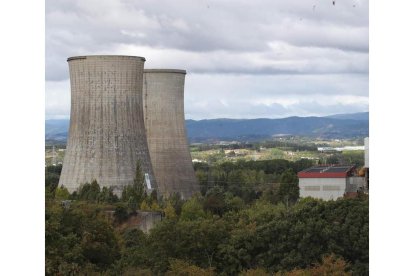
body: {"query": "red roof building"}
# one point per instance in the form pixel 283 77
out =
pixel 329 181
pixel 327 171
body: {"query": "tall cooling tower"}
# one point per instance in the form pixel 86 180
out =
pixel 166 133
pixel 107 133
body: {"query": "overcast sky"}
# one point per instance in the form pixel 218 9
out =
pixel 244 59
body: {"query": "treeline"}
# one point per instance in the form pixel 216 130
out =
pixel 288 145
pixel 282 144
pixel 204 147
pixel 239 225
pixel 250 180
pixel 262 237
pixel 57 145
pixel 133 196
pixel 347 157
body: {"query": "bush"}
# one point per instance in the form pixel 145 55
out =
pixel 121 214
pixel 179 267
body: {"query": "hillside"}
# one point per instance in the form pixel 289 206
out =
pixel 264 128
pixel 335 126
pixel 352 116
pixel 56 131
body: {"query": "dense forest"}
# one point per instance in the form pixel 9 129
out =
pixel 247 220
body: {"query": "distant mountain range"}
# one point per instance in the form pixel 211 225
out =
pixel 56 130
pixel 363 116
pixel 334 126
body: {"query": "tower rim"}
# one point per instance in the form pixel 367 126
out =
pixel 104 56
pixel 178 71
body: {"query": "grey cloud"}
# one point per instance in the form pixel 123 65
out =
pixel 206 28
pixel 233 109
pixel 283 58
pixel 267 86
pixel 269 54
pixel 247 110
pixel 244 24
pixel 246 96
pixel 273 96
pixel 57 99
pixel 307 108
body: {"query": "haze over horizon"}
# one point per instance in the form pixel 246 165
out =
pixel 359 115
pixel 243 59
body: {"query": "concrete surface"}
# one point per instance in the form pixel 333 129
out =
pixel 166 133
pixel 107 135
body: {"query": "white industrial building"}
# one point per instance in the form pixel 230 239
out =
pixel 330 182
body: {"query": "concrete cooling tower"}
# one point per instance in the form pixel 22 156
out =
pixel 166 133
pixel 107 134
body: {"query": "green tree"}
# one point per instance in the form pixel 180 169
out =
pixel 233 203
pixel 144 206
pixel 78 239
pixel 179 267
pixel 61 193
pixel 271 193
pixel 197 241
pixel 136 271
pixel 170 211
pixel 155 206
pixel 89 191
pixel 52 174
pixel 98 243
pixel 254 272
pixel 330 265
pixel 202 178
pixel 121 213
pixel 192 210
pixel 153 196
pixel 333 159
pixel 107 196
pixel 289 187
pixel 176 202
pixel 134 194
pixel 134 256
pixel 214 201
pixel 236 183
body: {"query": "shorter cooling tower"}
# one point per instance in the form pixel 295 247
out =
pixel 107 136
pixel 166 134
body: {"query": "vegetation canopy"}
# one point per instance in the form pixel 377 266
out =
pixel 248 220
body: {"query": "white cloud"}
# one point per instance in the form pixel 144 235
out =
pixel 274 57
pixel 250 96
pixel 57 99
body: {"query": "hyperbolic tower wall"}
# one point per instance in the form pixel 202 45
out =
pixel 166 133
pixel 107 133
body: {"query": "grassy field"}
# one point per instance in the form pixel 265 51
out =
pixel 58 155
pixel 252 154
pixel 290 148
pixel 216 153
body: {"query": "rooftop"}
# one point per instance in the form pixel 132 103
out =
pixel 327 171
